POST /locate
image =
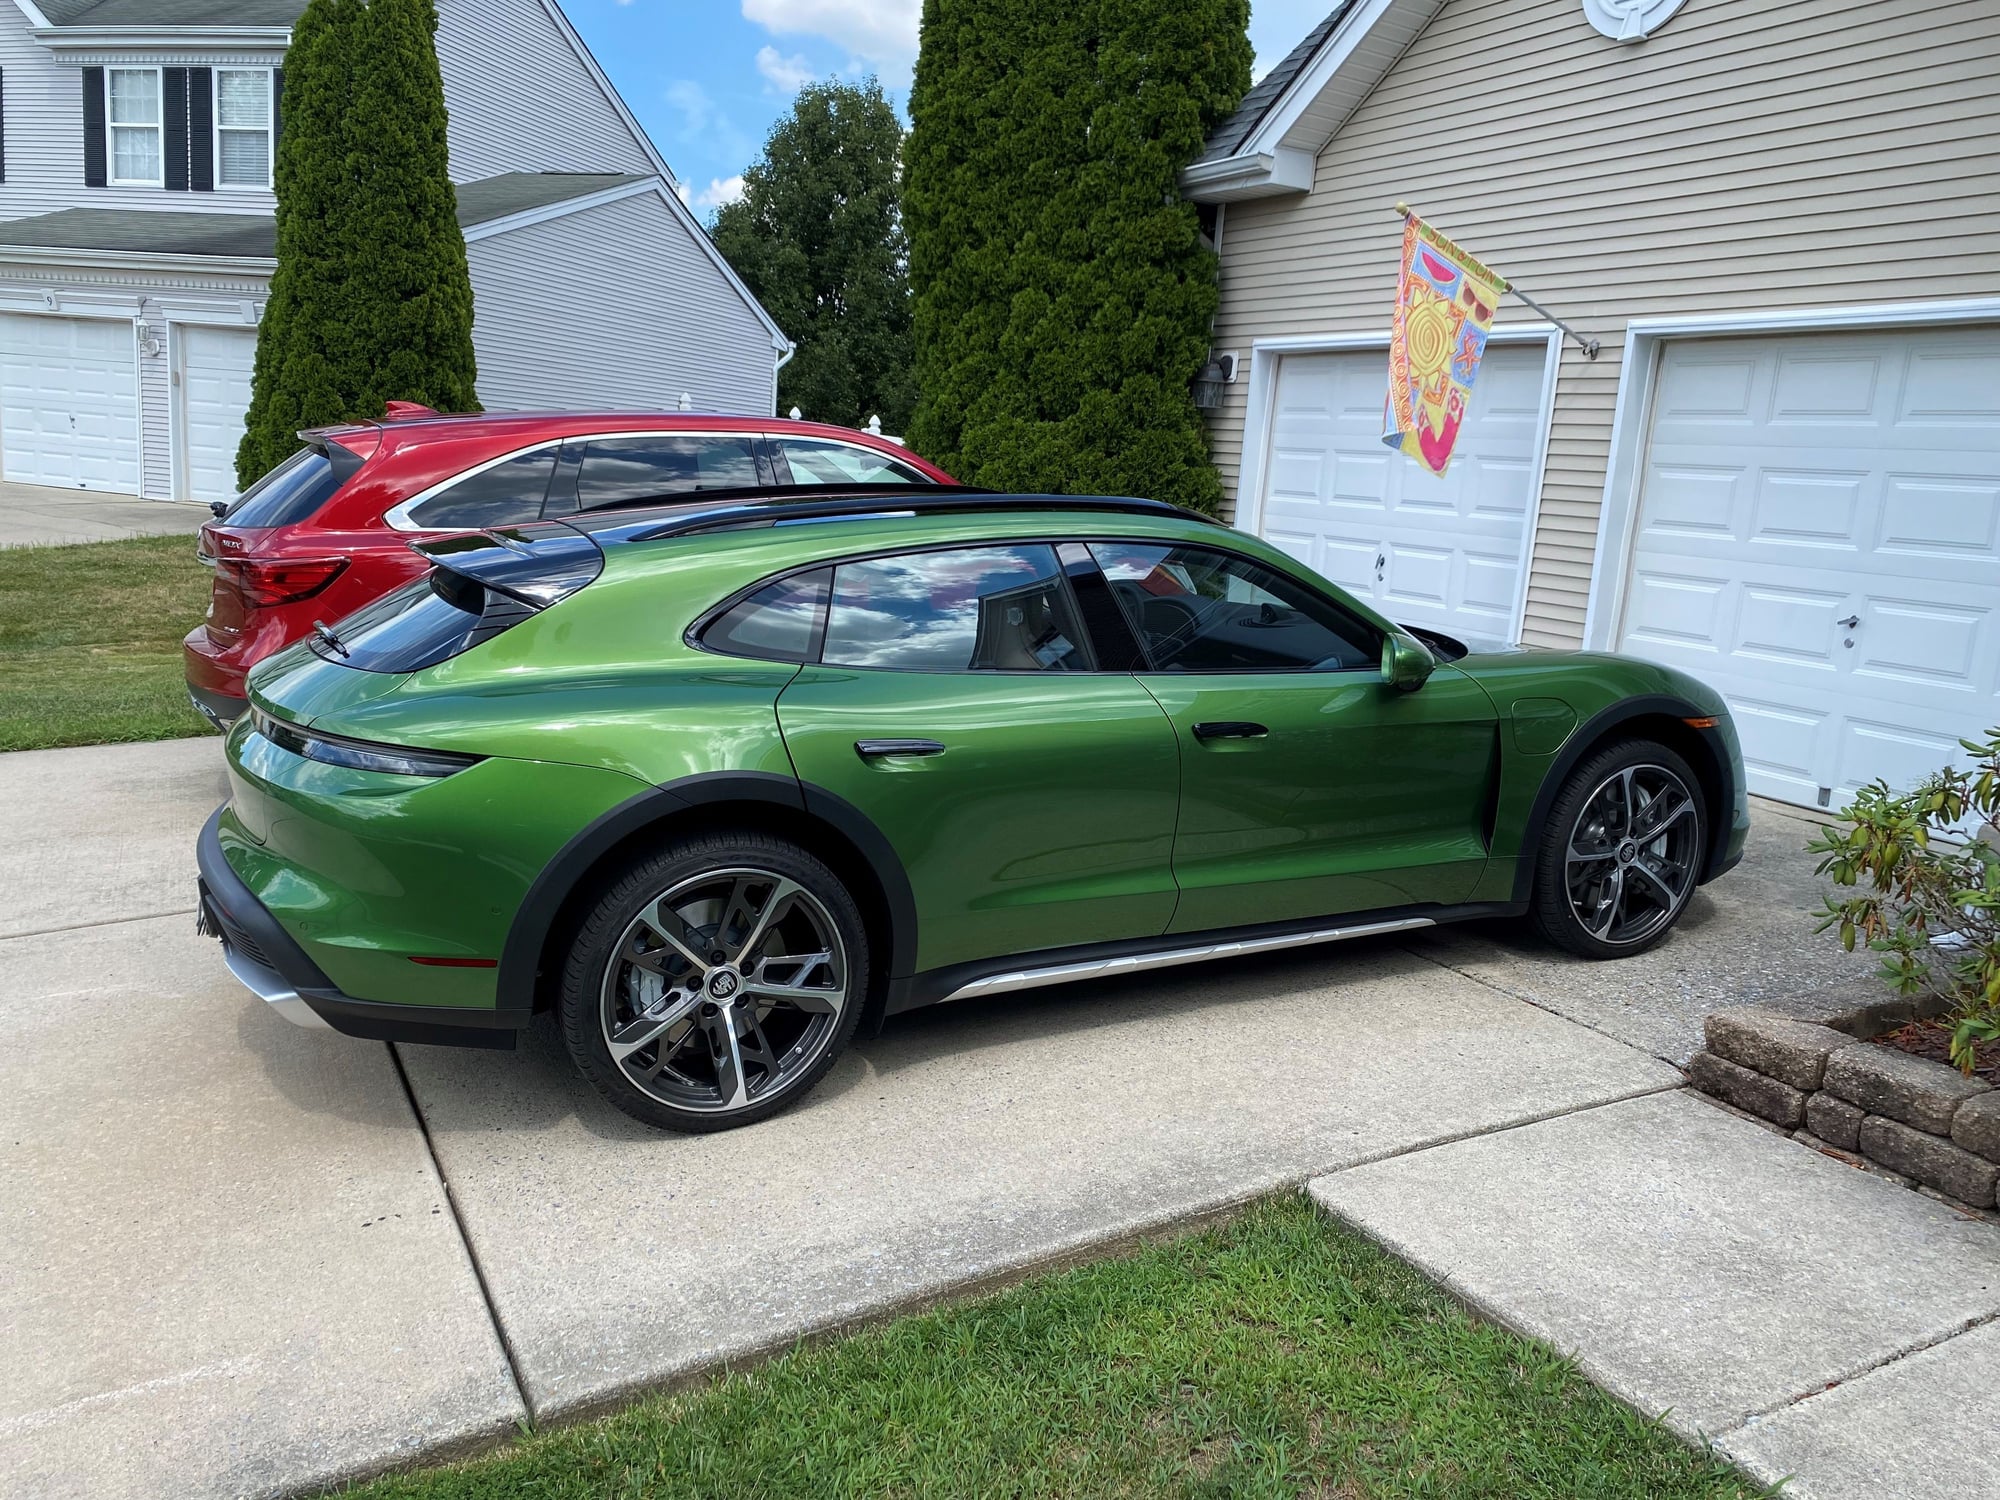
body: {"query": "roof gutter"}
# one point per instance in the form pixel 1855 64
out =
pixel 130 260
pixel 73 38
pixel 1256 174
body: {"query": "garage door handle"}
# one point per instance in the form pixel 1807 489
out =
pixel 876 749
pixel 1849 623
pixel 1230 729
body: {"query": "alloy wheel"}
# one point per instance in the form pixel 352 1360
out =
pixel 1630 863
pixel 723 989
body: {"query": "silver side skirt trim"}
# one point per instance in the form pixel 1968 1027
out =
pixel 270 987
pixel 1166 958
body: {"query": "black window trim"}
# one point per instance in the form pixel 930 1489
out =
pixel 1134 648
pixel 399 517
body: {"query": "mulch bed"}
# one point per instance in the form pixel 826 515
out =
pixel 1928 1039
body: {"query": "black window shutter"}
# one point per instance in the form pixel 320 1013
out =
pixel 94 173
pixel 277 116
pixel 174 91
pixel 201 129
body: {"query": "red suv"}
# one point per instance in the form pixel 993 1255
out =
pixel 329 529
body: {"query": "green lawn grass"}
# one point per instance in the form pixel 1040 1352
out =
pixel 1274 1356
pixel 90 642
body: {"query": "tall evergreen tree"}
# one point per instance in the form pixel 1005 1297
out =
pixel 818 239
pixel 1063 292
pixel 372 300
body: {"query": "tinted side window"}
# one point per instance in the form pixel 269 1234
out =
pixel 975 609
pixel 1202 611
pixel 507 494
pixel 638 468
pixel 780 622
pixel 817 461
pixel 292 492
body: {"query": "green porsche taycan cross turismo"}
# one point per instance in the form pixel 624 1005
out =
pixel 722 784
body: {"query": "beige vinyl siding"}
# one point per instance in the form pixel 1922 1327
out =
pixel 1753 154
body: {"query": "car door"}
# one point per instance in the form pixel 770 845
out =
pixel 955 701
pixel 1309 785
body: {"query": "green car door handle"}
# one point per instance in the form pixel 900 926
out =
pixel 876 749
pixel 1229 729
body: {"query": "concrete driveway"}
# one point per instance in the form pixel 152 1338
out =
pixel 241 1258
pixel 39 515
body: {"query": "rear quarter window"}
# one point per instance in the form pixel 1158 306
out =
pixel 290 493
pixel 507 493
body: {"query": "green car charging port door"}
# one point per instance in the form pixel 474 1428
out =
pixel 1030 796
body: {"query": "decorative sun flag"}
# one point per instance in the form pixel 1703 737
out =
pixel 1444 306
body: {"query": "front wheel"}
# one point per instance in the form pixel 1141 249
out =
pixel 716 982
pixel 1621 853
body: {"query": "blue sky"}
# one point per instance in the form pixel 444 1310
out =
pixel 707 78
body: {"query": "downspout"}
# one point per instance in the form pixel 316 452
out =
pixel 783 358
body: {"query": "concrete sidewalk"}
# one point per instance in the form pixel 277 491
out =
pixel 1812 1321
pixel 39 515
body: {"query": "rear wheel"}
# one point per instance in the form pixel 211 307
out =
pixel 1622 851
pixel 716 982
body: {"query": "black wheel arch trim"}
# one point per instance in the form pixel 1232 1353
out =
pixel 1586 737
pixel 521 957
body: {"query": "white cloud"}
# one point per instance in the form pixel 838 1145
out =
pixel 720 190
pixel 692 100
pixel 785 74
pixel 882 31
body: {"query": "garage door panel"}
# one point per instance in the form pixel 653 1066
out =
pixel 1807 508
pixel 1832 504
pixel 1923 645
pixel 214 397
pixel 1449 549
pixel 1678 610
pixel 1957 385
pixel 1927 515
pixel 69 402
pixel 1821 390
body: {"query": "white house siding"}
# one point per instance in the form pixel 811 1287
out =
pixel 521 99
pixel 1759 154
pixel 44 103
pixel 613 307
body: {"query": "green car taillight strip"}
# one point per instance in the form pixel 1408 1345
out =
pixel 359 755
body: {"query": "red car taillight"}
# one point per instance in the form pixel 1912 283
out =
pixel 286 582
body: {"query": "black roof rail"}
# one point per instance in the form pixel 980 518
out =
pixel 774 507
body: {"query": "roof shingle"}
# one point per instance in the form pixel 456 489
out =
pixel 141 231
pixel 1230 135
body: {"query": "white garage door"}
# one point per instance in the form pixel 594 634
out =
pixel 215 393
pixel 1819 538
pixel 1426 551
pixel 69 402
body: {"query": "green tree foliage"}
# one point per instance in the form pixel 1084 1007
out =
pixel 372 300
pixel 1063 291
pixel 818 239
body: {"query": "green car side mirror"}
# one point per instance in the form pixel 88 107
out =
pixel 1407 662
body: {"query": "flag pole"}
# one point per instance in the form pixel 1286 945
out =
pixel 1590 347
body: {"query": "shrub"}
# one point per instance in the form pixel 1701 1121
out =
pixel 1926 897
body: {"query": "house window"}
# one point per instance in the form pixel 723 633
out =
pixel 133 100
pixel 243 127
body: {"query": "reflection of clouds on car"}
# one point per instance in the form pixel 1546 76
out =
pixel 992 608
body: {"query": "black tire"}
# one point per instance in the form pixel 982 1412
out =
pixel 1603 890
pixel 700 1051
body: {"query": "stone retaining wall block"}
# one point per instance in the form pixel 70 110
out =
pixel 1976 1126
pixel 1913 1090
pixel 1930 1159
pixel 1793 1052
pixel 1764 1097
pixel 1835 1121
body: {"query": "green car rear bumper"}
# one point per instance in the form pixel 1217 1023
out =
pixel 380 903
